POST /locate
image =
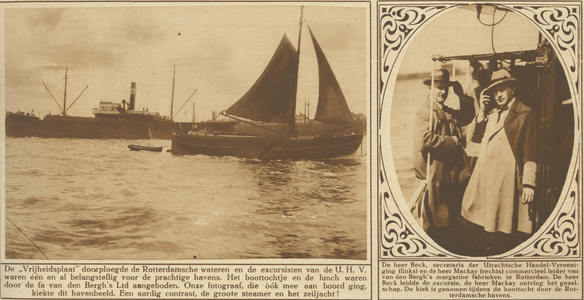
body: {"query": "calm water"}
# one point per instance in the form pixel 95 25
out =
pixel 97 200
pixel 407 97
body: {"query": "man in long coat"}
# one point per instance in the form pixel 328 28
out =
pixel 503 182
pixel 440 136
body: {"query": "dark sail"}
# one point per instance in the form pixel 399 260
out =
pixel 272 98
pixel 332 107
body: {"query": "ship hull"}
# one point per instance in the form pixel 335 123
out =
pixel 145 148
pixel 266 147
pixel 87 128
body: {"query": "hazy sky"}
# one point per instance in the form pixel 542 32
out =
pixel 218 49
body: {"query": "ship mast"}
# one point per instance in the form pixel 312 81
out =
pixel 64 108
pixel 172 96
pixel 308 110
pixel 194 116
pixel 293 125
pixel 65 93
pixel 300 30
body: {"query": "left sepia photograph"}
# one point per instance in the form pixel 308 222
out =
pixel 186 131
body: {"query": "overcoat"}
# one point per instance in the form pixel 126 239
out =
pixel 444 193
pixel 506 163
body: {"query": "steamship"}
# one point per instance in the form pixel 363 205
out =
pixel 111 121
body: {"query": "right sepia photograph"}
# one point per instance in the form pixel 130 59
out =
pixel 482 124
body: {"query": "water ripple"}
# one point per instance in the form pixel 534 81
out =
pixel 95 199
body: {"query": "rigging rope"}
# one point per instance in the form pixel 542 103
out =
pixel 492 24
pixel 38 249
pixel 493 30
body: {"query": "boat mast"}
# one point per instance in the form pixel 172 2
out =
pixel 308 108
pixel 65 93
pixel 292 129
pixel 194 118
pixel 65 109
pixel 172 96
pixel 300 30
pixel 304 119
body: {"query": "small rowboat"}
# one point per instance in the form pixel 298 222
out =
pixel 145 148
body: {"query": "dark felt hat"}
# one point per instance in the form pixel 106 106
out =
pixel 441 76
pixel 499 77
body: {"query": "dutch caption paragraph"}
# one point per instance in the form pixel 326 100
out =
pixel 187 281
pixel 480 280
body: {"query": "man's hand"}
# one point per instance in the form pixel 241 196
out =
pixel 485 102
pixel 528 194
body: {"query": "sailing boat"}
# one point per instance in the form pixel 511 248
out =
pixel 272 99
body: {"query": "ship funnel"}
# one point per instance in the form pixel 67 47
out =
pixel 132 104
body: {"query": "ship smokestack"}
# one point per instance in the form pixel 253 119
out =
pixel 132 104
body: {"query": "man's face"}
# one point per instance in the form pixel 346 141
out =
pixel 503 94
pixel 440 91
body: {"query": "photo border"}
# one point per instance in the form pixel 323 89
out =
pixel 559 236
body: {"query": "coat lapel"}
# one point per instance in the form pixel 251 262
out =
pixel 439 113
pixel 443 120
pixel 513 110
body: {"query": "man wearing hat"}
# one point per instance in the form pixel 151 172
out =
pixel 437 132
pixel 503 181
